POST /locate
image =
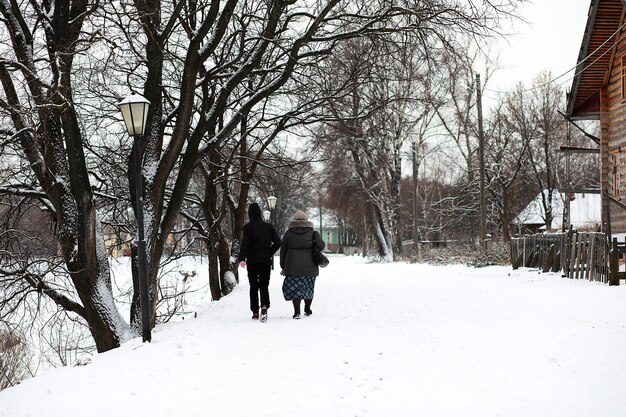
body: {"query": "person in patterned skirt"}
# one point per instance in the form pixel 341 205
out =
pixel 297 264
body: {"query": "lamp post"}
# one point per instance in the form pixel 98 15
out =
pixel 271 203
pixel 481 160
pixel 134 110
pixel 266 215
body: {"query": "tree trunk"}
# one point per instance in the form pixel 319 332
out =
pixel 214 273
pixel 90 273
pixel 226 266
pixel 106 326
pixel 505 219
pixel 380 234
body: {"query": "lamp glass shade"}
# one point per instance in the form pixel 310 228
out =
pixel 266 215
pixel 271 202
pixel 134 110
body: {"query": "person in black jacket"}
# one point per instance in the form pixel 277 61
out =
pixel 260 242
pixel 297 263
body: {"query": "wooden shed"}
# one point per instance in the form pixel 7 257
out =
pixel 599 93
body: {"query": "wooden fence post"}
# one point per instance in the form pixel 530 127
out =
pixel 591 257
pixel 549 259
pixel 572 256
pixel 567 252
pixel 614 264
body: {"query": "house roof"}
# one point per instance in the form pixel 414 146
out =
pixel 585 211
pixel 601 33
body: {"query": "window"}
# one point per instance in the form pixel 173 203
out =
pixel 624 77
pixel 616 170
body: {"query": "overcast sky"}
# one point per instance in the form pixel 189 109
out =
pixel 551 40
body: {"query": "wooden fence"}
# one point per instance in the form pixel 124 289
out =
pixel 543 250
pixel 578 255
pixel 617 255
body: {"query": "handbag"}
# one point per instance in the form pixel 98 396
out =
pixel 320 259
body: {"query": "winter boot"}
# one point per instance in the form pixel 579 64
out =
pixel 296 309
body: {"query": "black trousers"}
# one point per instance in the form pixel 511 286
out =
pixel 259 278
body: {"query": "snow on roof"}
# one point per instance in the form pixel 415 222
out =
pixel 585 210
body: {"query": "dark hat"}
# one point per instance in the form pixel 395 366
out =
pixel 254 211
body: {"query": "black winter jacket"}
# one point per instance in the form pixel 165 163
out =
pixel 260 240
pixel 296 251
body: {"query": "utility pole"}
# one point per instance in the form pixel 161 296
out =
pixel 481 159
pixel 568 203
pixel 321 230
pixel 416 243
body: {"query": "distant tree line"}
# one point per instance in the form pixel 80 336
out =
pixel 523 133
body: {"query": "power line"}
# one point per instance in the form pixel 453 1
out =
pixel 574 67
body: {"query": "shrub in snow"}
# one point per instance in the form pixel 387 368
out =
pixel 14 359
pixel 465 254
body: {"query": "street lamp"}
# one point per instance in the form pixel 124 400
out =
pixel 134 110
pixel 271 203
pixel 266 215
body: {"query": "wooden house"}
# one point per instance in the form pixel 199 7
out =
pixel 599 93
pixel 584 214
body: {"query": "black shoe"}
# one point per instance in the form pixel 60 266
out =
pixel 263 314
pixel 308 312
pixel 296 316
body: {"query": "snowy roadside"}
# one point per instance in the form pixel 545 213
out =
pixel 384 340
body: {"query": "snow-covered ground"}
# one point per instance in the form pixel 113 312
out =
pixel 384 340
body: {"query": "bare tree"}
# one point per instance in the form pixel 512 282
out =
pixel 459 120
pixel 458 114
pixel 534 119
pixel 385 102
pixel 231 59
pixel 213 71
pixel 38 104
pixel 505 163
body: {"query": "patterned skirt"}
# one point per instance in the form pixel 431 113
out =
pixel 298 287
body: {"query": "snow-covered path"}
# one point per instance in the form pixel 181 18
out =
pixel 383 340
